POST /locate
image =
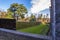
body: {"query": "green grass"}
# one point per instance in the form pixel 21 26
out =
pixel 40 29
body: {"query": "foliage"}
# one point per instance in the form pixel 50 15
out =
pixel 22 25
pixel 32 18
pixel 16 8
pixel 40 16
pixel 9 15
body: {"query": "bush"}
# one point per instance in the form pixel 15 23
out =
pixel 21 25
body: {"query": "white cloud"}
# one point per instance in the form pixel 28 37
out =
pixel 38 5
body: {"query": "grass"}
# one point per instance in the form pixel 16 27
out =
pixel 40 29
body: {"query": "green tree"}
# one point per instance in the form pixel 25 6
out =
pixel 40 16
pixel 19 9
pixel 33 18
pixel 47 15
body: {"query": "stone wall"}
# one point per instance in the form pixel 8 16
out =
pixel 55 21
pixel 6 34
pixel 57 18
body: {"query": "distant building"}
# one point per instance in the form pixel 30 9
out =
pixel 2 14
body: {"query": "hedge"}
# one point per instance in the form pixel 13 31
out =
pixel 21 25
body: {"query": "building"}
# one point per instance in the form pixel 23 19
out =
pixel 2 14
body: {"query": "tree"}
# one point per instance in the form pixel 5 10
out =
pixel 19 9
pixel 44 16
pixel 47 15
pixel 33 18
pixel 40 16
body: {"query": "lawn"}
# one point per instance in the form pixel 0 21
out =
pixel 40 29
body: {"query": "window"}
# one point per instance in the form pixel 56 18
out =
pixel 30 16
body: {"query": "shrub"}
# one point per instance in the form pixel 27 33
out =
pixel 21 25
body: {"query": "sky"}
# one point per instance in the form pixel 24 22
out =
pixel 33 6
pixel 5 4
pixel 39 5
pixel 46 11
